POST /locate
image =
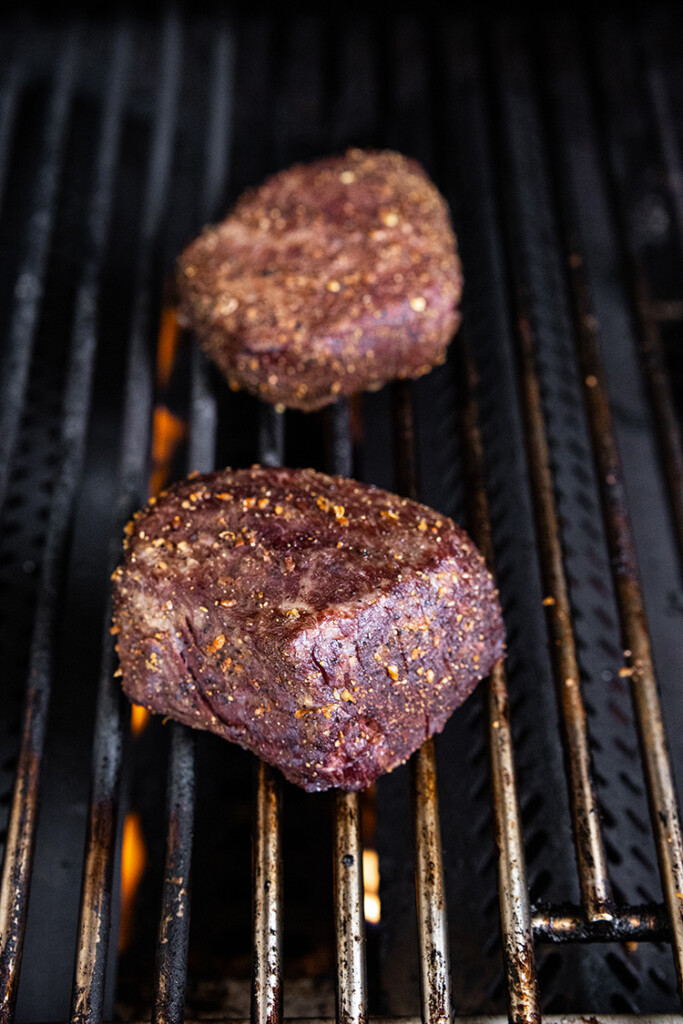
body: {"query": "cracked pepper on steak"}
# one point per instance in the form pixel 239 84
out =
pixel 326 625
pixel 331 278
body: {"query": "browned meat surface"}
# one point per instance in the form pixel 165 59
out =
pixel 331 278
pixel 328 626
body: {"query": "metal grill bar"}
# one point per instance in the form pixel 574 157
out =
pixel 619 537
pixel 568 924
pixel 348 854
pixel 657 765
pixel 596 890
pixel 23 819
pixel 266 990
pixel 94 921
pixel 633 619
pixel 647 313
pixel 267 993
pixel 348 912
pixel 435 971
pixel 550 1018
pixel 8 106
pixel 174 922
pixel 29 284
pixel 93 930
pixel 432 923
pixel 170 972
pixel 515 913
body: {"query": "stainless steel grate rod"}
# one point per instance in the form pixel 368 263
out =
pixel 432 921
pixel 657 765
pixel 596 890
pixel 513 892
pixel 349 916
pixel 266 986
pixel 174 921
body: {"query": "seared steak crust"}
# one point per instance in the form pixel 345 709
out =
pixel 326 625
pixel 332 277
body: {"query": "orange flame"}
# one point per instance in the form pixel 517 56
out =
pixel 139 718
pixel 133 862
pixel 371 904
pixel 167 433
pixel 167 345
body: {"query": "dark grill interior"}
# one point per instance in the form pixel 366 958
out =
pixel 558 145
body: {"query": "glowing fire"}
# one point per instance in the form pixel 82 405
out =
pixel 167 345
pixel 372 906
pixel 139 717
pixel 133 861
pixel 168 432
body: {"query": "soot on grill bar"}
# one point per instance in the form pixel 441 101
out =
pixel 527 860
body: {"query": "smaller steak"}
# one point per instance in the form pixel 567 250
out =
pixel 328 626
pixel 332 277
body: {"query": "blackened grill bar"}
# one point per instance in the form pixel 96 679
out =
pixel 170 973
pixel 95 913
pixel 599 918
pixel 19 848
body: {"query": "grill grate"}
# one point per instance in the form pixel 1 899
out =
pixel 565 188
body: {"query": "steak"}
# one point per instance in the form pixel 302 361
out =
pixel 332 277
pixel 328 626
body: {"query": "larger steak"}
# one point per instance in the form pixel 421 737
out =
pixel 332 277
pixel 328 626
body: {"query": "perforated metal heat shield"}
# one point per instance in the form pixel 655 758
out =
pixel 558 145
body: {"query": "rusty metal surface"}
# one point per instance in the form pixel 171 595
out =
pixel 266 993
pixel 16 869
pixel 267 880
pixel 93 930
pixel 570 924
pixel 432 923
pixel 515 913
pixel 349 919
pixel 637 650
pixel 596 890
